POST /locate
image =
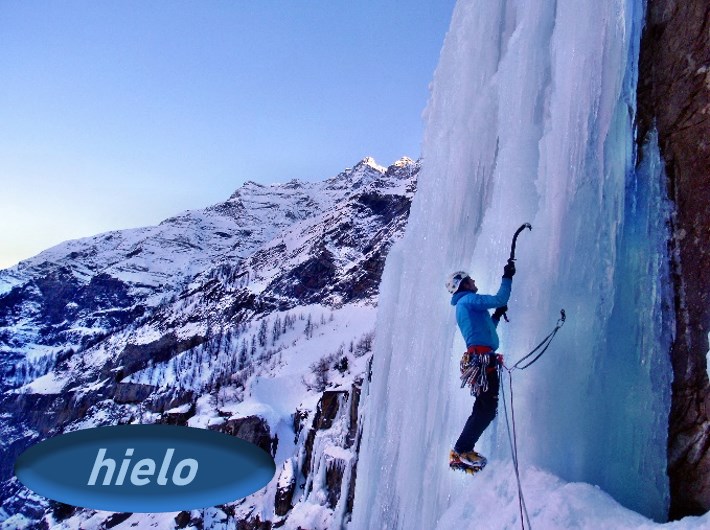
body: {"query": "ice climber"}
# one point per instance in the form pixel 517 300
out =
pixel 479 365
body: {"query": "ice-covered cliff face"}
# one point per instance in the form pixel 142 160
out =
pixel 253 317
pixel 531 118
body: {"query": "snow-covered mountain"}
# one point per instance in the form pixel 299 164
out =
pixel 254 316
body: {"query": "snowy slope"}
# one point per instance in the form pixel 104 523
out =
pixel 247 317
pixel 76 293
pixel 553 504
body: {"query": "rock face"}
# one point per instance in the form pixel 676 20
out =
pixel 252 429
pixel 332 448
pixel 674 95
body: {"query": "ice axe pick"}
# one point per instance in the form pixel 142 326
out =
pixel 512 251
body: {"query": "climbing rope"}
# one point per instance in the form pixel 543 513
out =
pixel 545 342
pixel 512 432
pixel 513 440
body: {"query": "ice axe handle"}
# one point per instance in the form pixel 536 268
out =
pixel 511 259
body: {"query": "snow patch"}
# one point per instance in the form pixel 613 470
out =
pixel 552 504
pixel 50 383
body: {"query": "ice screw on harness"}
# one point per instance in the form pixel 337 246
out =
pixel 512 250
pixel 476 363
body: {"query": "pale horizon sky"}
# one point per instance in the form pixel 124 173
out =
pixel 119 114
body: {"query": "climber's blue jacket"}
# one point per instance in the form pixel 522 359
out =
pixel 475 323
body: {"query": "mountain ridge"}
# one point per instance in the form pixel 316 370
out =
pixel 186 322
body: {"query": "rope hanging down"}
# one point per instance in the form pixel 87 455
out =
pixel 545 342
pixel 512 433
pixel 513 441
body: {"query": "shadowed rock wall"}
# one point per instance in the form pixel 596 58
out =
pixel 674 95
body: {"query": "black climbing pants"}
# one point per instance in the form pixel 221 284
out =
pixel 484 410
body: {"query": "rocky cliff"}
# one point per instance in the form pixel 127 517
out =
pixel 674 97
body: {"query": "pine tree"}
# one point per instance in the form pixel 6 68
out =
pixel 243 352
pixel 321 370
pixel 276 330
pixel 309 327
pixel 262 333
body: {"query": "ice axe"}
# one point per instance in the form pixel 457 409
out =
pixel 511 259
pixel 515 240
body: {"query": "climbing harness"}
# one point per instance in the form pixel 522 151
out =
pixel 476 363
pixel 512 433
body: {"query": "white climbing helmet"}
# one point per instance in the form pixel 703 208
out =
pixel 455 280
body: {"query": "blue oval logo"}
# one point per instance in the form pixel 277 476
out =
pixel 145 468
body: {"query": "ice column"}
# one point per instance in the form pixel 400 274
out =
pixel 530 119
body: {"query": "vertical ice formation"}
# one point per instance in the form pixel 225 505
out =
pixel 531 118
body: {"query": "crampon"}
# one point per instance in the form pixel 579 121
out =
pixel 470 463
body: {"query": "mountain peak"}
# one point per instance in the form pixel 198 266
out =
pixel 368 161
pixel 127 318
pixel 404 161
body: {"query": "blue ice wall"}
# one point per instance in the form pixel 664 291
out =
pixel 531 118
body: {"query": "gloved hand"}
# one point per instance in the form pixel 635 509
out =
pixel 499 312
pixel 509 269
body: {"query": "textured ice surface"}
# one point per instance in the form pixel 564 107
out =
pixel 530 120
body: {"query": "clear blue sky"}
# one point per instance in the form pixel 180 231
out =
pixel 117 114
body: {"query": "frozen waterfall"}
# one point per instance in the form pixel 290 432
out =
pixel 531 119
